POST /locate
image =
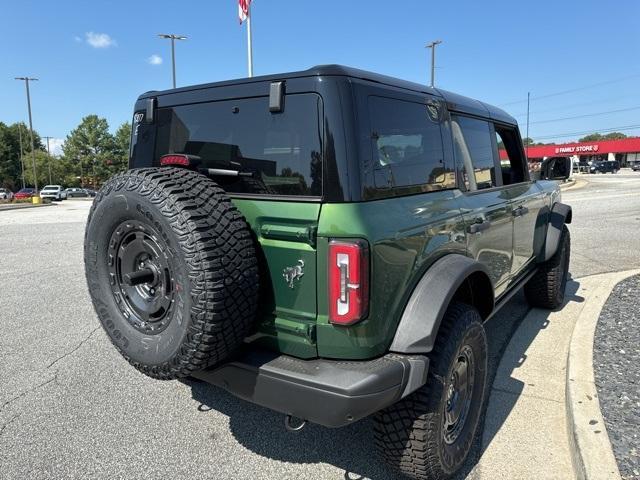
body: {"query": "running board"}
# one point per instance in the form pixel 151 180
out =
pixel 511 292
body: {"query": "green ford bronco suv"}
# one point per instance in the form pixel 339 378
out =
pixel 328 244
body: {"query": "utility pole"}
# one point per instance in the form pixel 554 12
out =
pixel 33 150
pixel 21 152
pixel 173 38
pixel 432 46
pixel 49 159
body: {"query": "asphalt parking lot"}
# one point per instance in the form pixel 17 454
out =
pixel 71 407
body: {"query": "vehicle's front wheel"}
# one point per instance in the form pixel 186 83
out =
pixel 546 288
pixel 428 434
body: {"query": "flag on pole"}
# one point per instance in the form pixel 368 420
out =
pixel 243 10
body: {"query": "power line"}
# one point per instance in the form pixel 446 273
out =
pixel 572 105
pixel 551 120
pixel 587 132
pixel 578 89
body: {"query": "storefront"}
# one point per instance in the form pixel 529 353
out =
pixel 625 151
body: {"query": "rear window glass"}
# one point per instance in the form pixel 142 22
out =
pixel 281 151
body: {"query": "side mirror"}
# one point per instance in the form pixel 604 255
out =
pixel 555 168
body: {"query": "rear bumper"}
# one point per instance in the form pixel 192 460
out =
pixel 328 392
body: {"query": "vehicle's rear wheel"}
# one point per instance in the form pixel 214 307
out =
pixel 546 288
pixel 172 270
pixel 428 434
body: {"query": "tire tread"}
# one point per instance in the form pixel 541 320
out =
pixel 217 245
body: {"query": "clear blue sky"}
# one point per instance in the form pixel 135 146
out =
pixel 493 51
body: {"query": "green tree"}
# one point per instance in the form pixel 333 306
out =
pixel 89 149
pixel 10 167
pixel 122 138
pixel 61 171
pixel 9 161
pixel 614 136
pixel 594 137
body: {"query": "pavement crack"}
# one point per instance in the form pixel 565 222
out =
pixel 26 392
pixel 11 420
pixel 71 352
pixel 519 394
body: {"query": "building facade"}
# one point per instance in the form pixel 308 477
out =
pixel 625 151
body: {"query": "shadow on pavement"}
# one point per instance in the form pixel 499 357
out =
pixel 351 448
pixel 262 431
pixel 525 338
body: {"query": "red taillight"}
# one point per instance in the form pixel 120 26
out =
pixel 173 159
pixel 348 281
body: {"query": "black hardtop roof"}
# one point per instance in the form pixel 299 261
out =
pixel 454 101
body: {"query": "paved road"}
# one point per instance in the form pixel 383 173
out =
pixel 605 232
pixel 70 407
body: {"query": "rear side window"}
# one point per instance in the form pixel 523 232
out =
pixel 473 147
pixel 407 149
pixel 282 151
pixel 513 165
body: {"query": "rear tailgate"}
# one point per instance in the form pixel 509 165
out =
pixel 286 232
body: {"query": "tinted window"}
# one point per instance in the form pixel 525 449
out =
pixel 407 148
pixel 473 146
pixel 513 165
pixel 281 151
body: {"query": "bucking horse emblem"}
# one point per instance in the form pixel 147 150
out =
pixel 291 274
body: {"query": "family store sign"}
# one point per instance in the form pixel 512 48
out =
pixel 578 149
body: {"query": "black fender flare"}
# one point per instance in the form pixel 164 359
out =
pixel 423 313
pixel 560 214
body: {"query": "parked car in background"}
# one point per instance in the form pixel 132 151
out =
pixel 636 167
pixel 5 194
pixel 90 192
pixel 76 192
pixel 54 192
pixel 25 193
pixel 608 166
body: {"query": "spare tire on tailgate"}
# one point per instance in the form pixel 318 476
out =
pixel 172 271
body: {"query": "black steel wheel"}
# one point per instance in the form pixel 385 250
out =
pixel 172 270
pixel 428 434
pixel 141 276
pixel 459 395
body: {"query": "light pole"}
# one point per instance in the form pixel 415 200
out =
pixel 33 151
pixel 49 159
pixel 21 152
pixel 432 46
pixel 173 39
pixel 528 139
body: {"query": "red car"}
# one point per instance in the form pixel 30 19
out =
pixel 25 193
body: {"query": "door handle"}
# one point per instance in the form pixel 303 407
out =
pixel 479 226
pixel 520 211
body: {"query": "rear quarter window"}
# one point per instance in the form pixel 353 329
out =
pixel 406 143
pixel 282 151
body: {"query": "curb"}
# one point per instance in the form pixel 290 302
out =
pixel 591 450
pixel 576 183
pixel 4 208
